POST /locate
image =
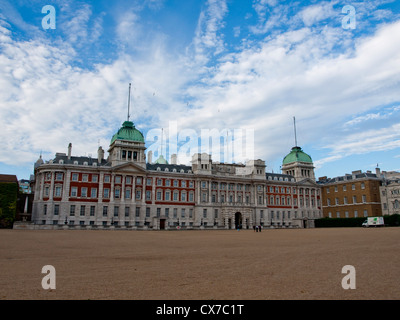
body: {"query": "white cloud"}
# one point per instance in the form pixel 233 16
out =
pixel 318 12
pixel 45 102
pixel 208 37
pixel 383 139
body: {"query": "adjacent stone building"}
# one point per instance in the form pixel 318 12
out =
pixel 352 195
pixel 126 192
pixel 390 193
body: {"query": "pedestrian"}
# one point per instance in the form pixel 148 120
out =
pixel 259 227
pixel 254 227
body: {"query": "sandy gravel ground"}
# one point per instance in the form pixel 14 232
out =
pixel 186 265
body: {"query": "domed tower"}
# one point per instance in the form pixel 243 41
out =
pixel 127 145
pixel 298 164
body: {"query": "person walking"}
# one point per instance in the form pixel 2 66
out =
pixel 254 228
pixel 259 227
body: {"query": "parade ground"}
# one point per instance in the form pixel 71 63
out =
pixel 278 264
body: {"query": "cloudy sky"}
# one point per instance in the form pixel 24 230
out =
pixel 221 65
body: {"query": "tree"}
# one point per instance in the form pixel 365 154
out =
pixel 8 203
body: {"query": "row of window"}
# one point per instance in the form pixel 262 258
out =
pixel 345 200
pixel 82 211
pixel 179 183
pixel 182 213
pixel 393 192
pixel 346 214
pixel 395 205
pixel 282 215
pixel 166 196
pixel 344 187
pixel 119 223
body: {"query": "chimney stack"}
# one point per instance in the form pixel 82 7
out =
pixel 69 150
pixel 100 155
pixel 173 158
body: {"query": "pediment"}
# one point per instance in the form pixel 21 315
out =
pixel 129 167
pixel 308 183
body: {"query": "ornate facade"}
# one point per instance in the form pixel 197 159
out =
pixel 126 192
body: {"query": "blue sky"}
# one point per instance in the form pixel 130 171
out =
pixel 220 65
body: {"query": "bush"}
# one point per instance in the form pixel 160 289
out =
pixel 390 220
pixel 8 204
pixel 339 222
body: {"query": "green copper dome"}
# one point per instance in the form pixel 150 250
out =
pixel 128 132
pixel 297 155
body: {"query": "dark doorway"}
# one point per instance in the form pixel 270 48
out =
pixel 162 224
pixel 305 223
pixel 238 220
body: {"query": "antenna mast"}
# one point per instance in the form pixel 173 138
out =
pixel 295 135
pixel 129 100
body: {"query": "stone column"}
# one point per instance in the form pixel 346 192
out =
pixel 99 211
pixel 198 189
pixel 112 188
pixel 51 186
pixel 143 190
pixel 133 195
pixel 66 185
pixel 153 191
pixel 209 192
pixel 123 189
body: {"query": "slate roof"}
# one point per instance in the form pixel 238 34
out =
pixel 80 160
pixel 170 167
pixel 348 177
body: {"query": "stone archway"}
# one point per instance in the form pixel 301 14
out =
pixel 238 220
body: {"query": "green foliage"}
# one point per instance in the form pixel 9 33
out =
pixel 392 220
pixel 339 222
pixel 8 204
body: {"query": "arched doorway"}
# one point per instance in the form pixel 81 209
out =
pixel 238 220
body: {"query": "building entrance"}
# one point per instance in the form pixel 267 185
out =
pixel 162 224
pixel 238 220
